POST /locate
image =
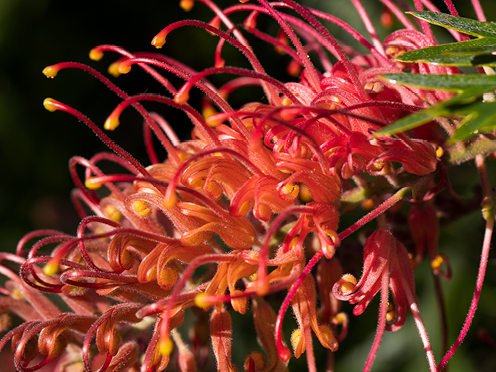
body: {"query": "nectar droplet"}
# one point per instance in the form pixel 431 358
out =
pixel 50 71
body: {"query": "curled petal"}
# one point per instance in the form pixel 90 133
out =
pixel 221 333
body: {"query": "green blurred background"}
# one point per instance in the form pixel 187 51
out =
pixel 35 147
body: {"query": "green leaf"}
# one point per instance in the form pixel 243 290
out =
pixel 460 105
pixel 477 84
pixel 464 25
pixel 481 118
pixel 478 116
pixel 413 121
pixel 474 52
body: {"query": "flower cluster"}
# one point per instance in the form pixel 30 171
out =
pixel 248 207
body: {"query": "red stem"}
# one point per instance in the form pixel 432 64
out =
pixel 486 185
pixel 381 326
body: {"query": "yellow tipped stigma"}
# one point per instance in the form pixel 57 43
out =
pixel 52 267
pixel 113 69
pixel 437 262
pixel 220 62
pixel 186 5
pixel 50 71
pixel 340 318
pixel 390 315
pixel 141 208
pixel 214 121
pixel 91 184
pixel 96 54
pixel 124 67
pixel 201 301
pixel 101 230
pixel 165 346
pixel 170 202
pixel 208 111
pixel 286 101
pixel 439 152
pixel 48 103
pixel 367 204
pixel 181 97
pixel 159 40
pixel 111 123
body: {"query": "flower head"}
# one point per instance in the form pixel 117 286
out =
pixel 244 209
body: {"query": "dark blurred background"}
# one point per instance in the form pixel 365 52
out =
pixel 35 145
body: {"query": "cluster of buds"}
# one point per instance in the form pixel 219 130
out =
pixel 248 207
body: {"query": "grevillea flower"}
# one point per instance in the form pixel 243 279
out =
pixel 386 267
pixel 243 210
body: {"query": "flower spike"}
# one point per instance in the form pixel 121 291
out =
pixel 241 219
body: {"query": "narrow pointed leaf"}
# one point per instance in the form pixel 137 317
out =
pixel 456 106
pixel 474 52
pixel 464 25
pixel 477 84
pixel 481 118
pixel 412 121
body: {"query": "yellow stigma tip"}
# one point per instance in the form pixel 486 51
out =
pixel 170 202
pixel 96 54
pixel 91 184
pixel 51 268
pixel 165 346
pixel 201 301
pixel 340 318
pixel 111 123
pixel 113 69
pixel 208 111
pixel 48 103
pixel 437 262
pixel 181 97
pixel 50 71
pixel 186 5
pixel 214 121
pixel 124 68
pixel 439 152
pixel 158 41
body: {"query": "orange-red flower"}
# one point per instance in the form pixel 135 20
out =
pixel 243 210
